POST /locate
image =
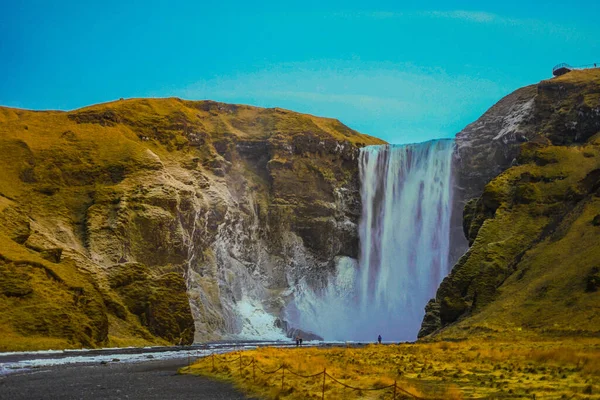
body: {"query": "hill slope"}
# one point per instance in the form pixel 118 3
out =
pixel 146 220
pixel 535 231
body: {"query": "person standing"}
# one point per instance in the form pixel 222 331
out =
pixel 379 339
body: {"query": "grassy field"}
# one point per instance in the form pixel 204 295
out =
pixel 557 369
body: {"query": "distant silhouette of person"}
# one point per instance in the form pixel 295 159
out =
pixel 379 339
pixel 300 340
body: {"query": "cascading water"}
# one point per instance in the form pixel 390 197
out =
pixel 406 193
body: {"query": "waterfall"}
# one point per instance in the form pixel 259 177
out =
pixel 406 193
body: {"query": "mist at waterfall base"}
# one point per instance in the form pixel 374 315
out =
pixel 406 194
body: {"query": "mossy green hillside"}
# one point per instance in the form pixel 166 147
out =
pixel 43 304
pixel 534 244
pixel 540 230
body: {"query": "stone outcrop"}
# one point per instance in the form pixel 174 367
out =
pixel 166 219
pixel 528 171
pixel 490 145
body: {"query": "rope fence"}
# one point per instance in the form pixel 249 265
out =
pixel 394 388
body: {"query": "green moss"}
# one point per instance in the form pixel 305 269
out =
pixel 13 283
pixel 160 303
pixel 533 253
pixel 37 301
pixel 592 280
pixel 565 107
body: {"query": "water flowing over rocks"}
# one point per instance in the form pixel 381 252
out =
pixel 407 202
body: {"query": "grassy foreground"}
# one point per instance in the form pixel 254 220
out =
pixel 565 369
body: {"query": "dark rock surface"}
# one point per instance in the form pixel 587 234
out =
pixel 489 145
pixel 431 320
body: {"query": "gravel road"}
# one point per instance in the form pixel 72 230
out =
pixel 156 379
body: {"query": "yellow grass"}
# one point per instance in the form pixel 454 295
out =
pixel 443 370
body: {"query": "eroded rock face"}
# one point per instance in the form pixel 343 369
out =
pixel 563 110
pixel 489 145
pixel 179 218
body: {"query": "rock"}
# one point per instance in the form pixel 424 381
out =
pixel 171 216
pixel 487 146
pixel 103 118
pixel 160 302
pixel 52 255
pixel 13 283
pixel 596 220
pixel 431 320
pixel 305 335
pixel 15 224
pixel 592 280
pixel 293 332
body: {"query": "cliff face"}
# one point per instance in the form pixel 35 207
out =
pixel 151 221
pixel 489 145
pixel 532 229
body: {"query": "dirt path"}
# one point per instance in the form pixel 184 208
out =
pixel 147 380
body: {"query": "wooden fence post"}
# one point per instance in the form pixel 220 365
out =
pixel 253 370
pixel 240 365
pixel 282 376
pixel 323 392
pixel 213 360
pixel 394 390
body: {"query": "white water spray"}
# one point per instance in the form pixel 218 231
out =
pixel 406 194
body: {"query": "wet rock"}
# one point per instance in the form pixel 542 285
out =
pixel 305 335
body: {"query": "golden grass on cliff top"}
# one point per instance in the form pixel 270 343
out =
pixel 443 370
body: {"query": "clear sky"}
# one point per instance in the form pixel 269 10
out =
pixel 402 71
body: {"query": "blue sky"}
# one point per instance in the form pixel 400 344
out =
pixel 402 71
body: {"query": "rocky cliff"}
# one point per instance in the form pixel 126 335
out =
pixel 529 171
pixel 160 220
